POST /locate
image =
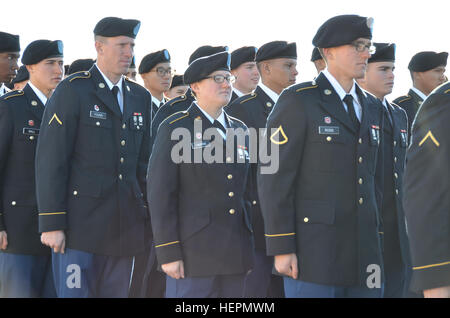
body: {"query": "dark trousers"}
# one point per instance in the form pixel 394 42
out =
pixel 147 281
pixel 299 289
pixel 260 282
pixel 395 285
pixel 220 286
pixel 79 274
pixel 26 276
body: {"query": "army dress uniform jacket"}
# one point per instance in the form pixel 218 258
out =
pixel 411 104
pixel 253 109
pixel 426 192
pixel 395 137
pixel 20 118
pixel 91 165
pixel 324 201
pixel 199 209
pixel 175 105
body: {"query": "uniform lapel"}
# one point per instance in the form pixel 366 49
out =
pixel 265 101
pixel 35 105
pixel 332 103
pixel 417 100
pixel 103 92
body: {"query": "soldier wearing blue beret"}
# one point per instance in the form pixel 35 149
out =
pixel 427 72
pixel 91 163
pixel 243 67
pixel 322 206
pixel 25 264
pixel 9 55
pixel 202 230
pixel 379 80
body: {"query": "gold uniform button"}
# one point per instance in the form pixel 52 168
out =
pixel 101 85
pixel 122 160
pixel 124 126
pixel 31 137
pixel 122 143
pixel 13 203
pixel 232 211
pixel 254 202
pixel 395 143
pixel 329 138
pixel 361 201
pixel 75 192
pixel 306 220
pixel 360 181
pixel 360 140
pixel 395 159
pixel 228 159
pixel 396 175
pixel 269 104
pixel 396 191
pixel 360 160
pixel 230 176
pixel 97 123
pixel 231 194
pixel 120 177
pixel 34 103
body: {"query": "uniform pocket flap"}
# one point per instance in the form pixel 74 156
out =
pixel 316 212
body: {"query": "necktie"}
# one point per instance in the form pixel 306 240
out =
pixel 115 91
pixel 348 100
pixel 218 125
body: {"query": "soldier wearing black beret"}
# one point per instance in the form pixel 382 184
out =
pixel 243 67
pixel 184 101
pixel 80 65
pixel 21 79
pixel 25 264
pixel 91 163
pixel 379 80
pixel 426 196
pixel 132 71
pixel 322 206
pixel 200 222
pixel 156 72
pixel 9 55
pixel 177 87
pixel 318 61
pixel 427 72
pixel 276 62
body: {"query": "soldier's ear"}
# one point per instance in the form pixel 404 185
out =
pixel 99 47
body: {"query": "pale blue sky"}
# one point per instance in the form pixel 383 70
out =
pixel 182 26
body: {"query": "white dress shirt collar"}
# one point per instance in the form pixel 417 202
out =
pixel 273 96
pixel 421 95
pixel 38 93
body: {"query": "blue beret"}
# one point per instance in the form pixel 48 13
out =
pixel 112 26
pixel 150 60
pixel 133 62
pixel 385 53
pixel 275 50
pixel 342 30
pixel 80 65
pixel 206 50
pixel 315 55
pixel 425 61
pixel 243 55
pixel 40 50
pixel 203 66
pixel 9 42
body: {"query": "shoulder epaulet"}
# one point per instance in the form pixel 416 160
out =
pixel 447 91
pixel 177 116
pixel 403 98
pixel 252 95
pixel 12 94
pixel 82 74
pixel 176 100
pixel 305 86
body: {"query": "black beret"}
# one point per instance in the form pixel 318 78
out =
pixel 22 75
pixel 206 50
pixel 40 50
pixel 9 42
pixel 385 53
pixel 80 65
pixel 275 50
pixel 150 60
pixel 425 61
pixel 177 80
pixel 112 26
pixel 316 55
pixel 203 66
pixel 66 69
pixel 243 55
pixel 342 30
pixel 133 62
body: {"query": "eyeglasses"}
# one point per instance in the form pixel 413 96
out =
pixel 361 47
pixel 219 79
pixel 161 71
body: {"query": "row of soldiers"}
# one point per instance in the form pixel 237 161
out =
pixel 101 166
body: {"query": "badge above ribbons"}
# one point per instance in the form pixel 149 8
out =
pixel 279 136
